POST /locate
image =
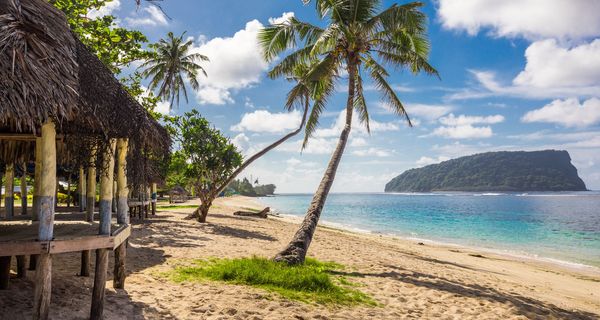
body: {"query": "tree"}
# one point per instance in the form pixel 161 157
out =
pixel 170 62
pixel 300 96
pixel 211 158
pixel 357 36
pixel 115 46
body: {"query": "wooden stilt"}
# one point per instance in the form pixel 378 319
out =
pixel 37 183
pixel 24 190
pixel 106 193
pixel 22 262
pixel 9 200
pixel 85 263
pixel 69 191
pixel 33 262
pixel 43 273
pixel 91 187
pixel 81 189
pixel 5 272
pixel 153 197
pixel 122 214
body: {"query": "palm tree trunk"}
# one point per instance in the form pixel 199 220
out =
pixel 295 252
pixel 267 149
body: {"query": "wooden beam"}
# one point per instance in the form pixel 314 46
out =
pixel 23 137
pixel 91 187
pixel 24 190
pixel 121 236
pixel 22 261
pixel 81 189
pixel 84 243
pixel 43 274
pixel 12 248
pixel 122 189
pixel 9 199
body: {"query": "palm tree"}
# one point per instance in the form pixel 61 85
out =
pixel 358 39
pixel 169 64
pixel 298 97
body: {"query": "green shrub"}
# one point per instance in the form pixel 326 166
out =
pixel 310 282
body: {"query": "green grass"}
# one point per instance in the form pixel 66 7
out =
pixel 310 282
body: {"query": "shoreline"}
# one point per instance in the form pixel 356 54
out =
pixel 525 256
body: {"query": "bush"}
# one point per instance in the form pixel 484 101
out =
pixel 312 281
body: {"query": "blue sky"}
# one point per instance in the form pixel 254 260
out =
pixel 515 75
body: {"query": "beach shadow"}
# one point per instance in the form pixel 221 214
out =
pixel 524 306
pixel 444 262
pixel 228 231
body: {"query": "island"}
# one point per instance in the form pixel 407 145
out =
pixel 516 171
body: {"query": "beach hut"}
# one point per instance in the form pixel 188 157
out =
pixel 63 110
pixel 177 194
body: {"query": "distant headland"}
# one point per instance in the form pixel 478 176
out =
pixel 547 170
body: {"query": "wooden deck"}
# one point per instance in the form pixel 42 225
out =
pixel 18 236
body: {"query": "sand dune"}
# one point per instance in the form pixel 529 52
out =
pixel 408 280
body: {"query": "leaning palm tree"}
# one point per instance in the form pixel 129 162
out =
pixel 299 97
pixel 170 62
pixel 358 39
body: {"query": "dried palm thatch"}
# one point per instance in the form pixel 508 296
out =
pixel 38 71
pixel 47 73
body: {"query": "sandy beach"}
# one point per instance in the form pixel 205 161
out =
pixel 407 279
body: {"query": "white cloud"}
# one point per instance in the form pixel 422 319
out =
pixel 284 18
pixel 315 146
pixel 429 112
pixel 152 16
pixel 235 63
pixel 569 113
pixel 424 161
pixel 461 120
pixel 357 127
pixel 107 9
pixel 463 132
pixel 242 142
pixel 375 152
pixel 552 66
pixel 163 107
pixel 531 19
pixel 358 142
pixel 265 121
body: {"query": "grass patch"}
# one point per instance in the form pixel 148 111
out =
pixel 311 282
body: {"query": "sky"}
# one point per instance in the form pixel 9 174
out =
pixel 515 75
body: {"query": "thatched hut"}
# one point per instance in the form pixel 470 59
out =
pixel 61 108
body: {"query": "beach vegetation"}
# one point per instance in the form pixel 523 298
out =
pixel 314 281
pixel 210 158
pixel 358 40
pixel 170 62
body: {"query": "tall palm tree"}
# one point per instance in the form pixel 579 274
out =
pixel 299 97
pixel 358 39
pixel 169 64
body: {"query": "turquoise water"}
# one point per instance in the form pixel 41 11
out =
pixel 560 226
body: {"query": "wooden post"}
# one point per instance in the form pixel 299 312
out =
pixel 24 190
pixel 122 213
pixel 91 187
pixel 37 181
pixel 33 262
pixel 9 200
pixel 81 189
pixel 69 190
pixel 5 272
pixel 153 197
pixel 43 274
pixel 22 266
pixel 106 194
pixel 114 198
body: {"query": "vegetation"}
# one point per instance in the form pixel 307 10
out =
pixel 245 188
pixel 168 66
pixel 548 170
pixel 210 158
pixel 358 39
pixel 310 282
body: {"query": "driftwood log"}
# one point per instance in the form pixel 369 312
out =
pixel 261 214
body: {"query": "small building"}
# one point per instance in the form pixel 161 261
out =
pixel 62 112
pixel 178 194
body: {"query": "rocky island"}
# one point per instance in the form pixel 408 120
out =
pixel 547 170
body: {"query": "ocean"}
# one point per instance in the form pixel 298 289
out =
pixel 558 227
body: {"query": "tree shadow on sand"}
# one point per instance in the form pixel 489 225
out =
pixel 524 306
pixel 219 229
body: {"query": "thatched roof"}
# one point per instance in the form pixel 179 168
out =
pixel 47 73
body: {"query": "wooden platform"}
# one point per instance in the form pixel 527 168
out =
pixel 18 236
